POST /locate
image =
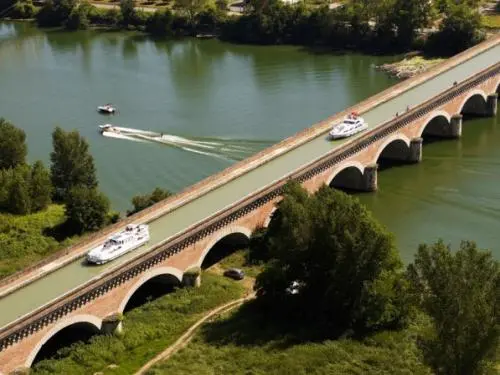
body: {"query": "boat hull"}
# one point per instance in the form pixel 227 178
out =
pixel 350 133
pixel 128 249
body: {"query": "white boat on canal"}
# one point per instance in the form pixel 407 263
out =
pixel 351 125
pixel 119 244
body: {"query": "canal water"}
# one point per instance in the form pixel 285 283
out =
pixel 225 102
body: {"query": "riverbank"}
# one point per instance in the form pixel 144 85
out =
pixel 409 67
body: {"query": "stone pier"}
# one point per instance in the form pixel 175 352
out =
pixel 492 105
pixel 455 126
pixel 370 178
pixel 415 155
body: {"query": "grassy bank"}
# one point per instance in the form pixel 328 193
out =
pixel 247 343
pixel 23 239
pixel 149 329
pixel 491 21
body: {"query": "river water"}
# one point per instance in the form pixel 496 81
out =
pixel 226 102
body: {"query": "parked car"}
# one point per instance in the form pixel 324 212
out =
pixel 234 273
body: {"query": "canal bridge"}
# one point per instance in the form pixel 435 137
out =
pixel 62 293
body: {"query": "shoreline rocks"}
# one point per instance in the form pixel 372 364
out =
pixel 408 67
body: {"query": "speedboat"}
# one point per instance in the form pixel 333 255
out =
pixel 106 128
pixel 351 125
pixel 119 244
pixel 108 108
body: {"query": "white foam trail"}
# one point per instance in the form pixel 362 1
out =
pixel 122 136
pixel 204 153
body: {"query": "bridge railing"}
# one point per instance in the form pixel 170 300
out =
pixel 201 188
pixel 94 288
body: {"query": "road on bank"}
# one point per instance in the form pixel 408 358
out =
pixel 45 289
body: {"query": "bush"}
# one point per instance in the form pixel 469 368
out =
pixel 140 202
pixel 86 209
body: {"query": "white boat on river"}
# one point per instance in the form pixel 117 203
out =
pixel 119 244
pixel 108 108
pixel 351 125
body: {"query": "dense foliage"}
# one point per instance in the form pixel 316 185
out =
pixel 148 330
pixel 72 164
pixel 140 202
pixel 461 293
pixel 376 26
pixel 12 145
pixel 24 239
pixel 344 263
pixel 86 209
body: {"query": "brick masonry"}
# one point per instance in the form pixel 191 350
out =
pixel 20 344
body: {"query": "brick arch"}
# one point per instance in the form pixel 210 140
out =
pixel 221 235
pixel 393 139
pixel 269 217
pixel 90 319
pixel 433 116
pixel 351 164
pixel 471 94
pixel 177 273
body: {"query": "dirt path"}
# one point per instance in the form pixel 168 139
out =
pixel 189 334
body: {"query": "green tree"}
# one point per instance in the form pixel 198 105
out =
pixel 55 12
pixel 140 202
pixel 86 209
pixel 160 23
pixel 127 9
pixel 12 145
pixel 72 165
pixel 460 29
pixel 78 19
pixel 191 8
pixel 40 187
pixel 409 16
pixel 461 293
pixel 19 195
pixel 343 259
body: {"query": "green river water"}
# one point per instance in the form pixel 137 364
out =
pixel 226 102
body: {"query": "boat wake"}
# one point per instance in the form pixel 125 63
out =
pixel 227 149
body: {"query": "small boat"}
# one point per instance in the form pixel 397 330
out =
pixel 106 128
pixel 108 108
pixel 119 244
pixel 351 125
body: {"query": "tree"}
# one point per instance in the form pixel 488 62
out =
pixel 127 9
pixel 160 23
pixel 40 187
pixel 12 145
pixel 191 8
pixel 78 19
pixel 72 165
pixel 140 202
pixel 409 16
pixel 461 294
pixel 86 209
pixel 344 261
pixel 19 195
pixel 459 30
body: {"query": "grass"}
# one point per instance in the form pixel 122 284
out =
pixel 491 21
pixel 149 329
pixel 238 259
pixel 23 240
pixel 247 343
